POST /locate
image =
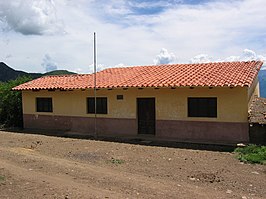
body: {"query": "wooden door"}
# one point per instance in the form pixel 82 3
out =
pixel 146 115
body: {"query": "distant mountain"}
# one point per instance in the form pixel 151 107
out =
pixel 59 72
pixel 7 73
pixel 262 82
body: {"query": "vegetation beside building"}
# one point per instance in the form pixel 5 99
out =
pixel 252 154
pixel 11 103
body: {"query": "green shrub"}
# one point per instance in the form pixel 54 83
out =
pixel 11 103
pixel 2 178
pixel 252 154
pixel 117 161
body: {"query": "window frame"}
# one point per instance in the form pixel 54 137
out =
pixel 205 107
pixel 44 104
pixel 101 103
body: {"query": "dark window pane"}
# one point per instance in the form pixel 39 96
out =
pixel 119 97
pixel 101 105
pixel 44 105
pixel 90 105
pixel 202 107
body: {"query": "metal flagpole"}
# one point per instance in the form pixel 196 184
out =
pixel 95 101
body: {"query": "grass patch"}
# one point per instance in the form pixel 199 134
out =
pixel 252 154
pixel 2 178
pixel 117 161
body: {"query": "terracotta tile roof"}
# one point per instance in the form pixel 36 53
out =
pixel 257 110
pixel 230 74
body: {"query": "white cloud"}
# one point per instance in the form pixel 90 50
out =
pixel 30 17
pixel 164 57
pixel 116 8
pixel 99 67
pixel 8 56
pixel 247 55
pixel 201 58
pixel 218 28
pixel 232 58
pixel 48 63
pixel 121 65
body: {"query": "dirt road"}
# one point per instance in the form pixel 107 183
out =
pixel 37 166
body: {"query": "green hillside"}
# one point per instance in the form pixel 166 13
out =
pixel 59 72
pixel 7 73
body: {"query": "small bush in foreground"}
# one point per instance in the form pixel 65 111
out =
pixel 116 161
pixel 2 178
pixel 252 154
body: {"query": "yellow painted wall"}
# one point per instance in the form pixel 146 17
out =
pixel 171 104
pixel 254 89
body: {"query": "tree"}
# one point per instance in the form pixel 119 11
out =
pixel 11 103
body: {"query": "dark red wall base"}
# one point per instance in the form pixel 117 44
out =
pixel 83 125
pixel 224 132
pixel 196 131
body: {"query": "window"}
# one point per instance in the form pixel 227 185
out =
pixel 202 107
pixel 44 104
pixel 101 105
pixel 119 97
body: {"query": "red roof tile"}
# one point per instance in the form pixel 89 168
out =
pixel 229 74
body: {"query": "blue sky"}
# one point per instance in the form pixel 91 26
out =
pixel 41 35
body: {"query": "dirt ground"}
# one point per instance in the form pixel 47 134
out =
pixel 38 166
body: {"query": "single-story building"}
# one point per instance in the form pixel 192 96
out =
pixel 203 102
